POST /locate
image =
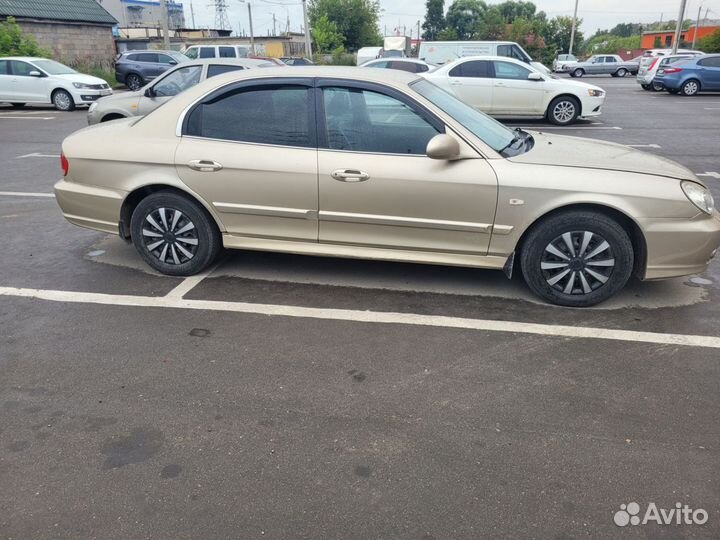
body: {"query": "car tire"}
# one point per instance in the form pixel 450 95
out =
pixel 622 72
pixel 690 87
pixel 563 110
pixel 578 73
pixel 174 234
pixel 577 278
pixel 63 100
pixel 134 81
pixel 18 105
pixel 647 87
pixel 658 87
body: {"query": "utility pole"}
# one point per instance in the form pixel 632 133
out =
pixel 697 28
pixel 308 43
pixel 274 27
pixel 678 27
pixel 192 14
pixel 164 24
pixel 572 32
pixel 252 36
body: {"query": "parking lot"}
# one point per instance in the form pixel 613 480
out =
pixel 281 396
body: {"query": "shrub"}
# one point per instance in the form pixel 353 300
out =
pixel 13 42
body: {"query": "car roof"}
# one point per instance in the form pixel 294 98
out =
pixel 26 58
pixel 397 59
pixel 489 57
pixel 165 51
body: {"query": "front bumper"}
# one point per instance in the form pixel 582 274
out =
pixel 86 96
pixel 680 247
pixel 592 106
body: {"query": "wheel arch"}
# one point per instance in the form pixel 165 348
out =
pixel 576 99
pixel 113 116
pixel 134 197
pixel 637 238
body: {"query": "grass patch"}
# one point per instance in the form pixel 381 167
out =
pixel 107 75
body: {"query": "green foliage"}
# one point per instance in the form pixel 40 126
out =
pixel 558 35
pixel 711 43
pixel 511 10
pixel 491 26
pixel 355 20
pixel 326 36
pixel 13 42
pixel 610 44
pixel 627 29
pixel 448 34
pixel 464 16
pixel 434 19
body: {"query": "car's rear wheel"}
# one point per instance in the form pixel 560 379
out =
pixel 63 101
pixel 658 87
pixel 18 105
pixel 134 82
pixel 174 234
pixel 646 87
pixel 563 110
pixel 577 258
pixel 578 73
pixel 621 72
pixel 690 88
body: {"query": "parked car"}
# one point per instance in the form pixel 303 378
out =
pixel 377 164
pixel 604 64
pixel 217 51
pixel 365 54
pixel 646 75
pixel 136 68
pixel 412 65
pixel 270 59
pixel 165 87
pixel 563 62
pixel 649 56
pixel 699 74
pixel 441 52
pixel 26 79
pixel 296 61
pixel 505 87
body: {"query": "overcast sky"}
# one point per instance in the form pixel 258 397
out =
pixel 596 14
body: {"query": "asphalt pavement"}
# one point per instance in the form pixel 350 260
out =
pixel 282 396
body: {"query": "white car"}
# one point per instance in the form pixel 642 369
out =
pixel 646 74
pixel 564 62
pixel 411 65
pixel 26 79
pixel 505 87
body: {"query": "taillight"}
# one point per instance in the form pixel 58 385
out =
pixel 672 70
pixel 64 164
pixel 653 64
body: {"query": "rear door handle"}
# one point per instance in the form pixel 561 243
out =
pixel 350 175
pixel 204 165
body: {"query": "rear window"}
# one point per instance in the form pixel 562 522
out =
pixel 219 69
pixel 207 52
pixel 147 57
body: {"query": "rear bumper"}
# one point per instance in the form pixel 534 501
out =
pixel 90 207
pixel 646 78
pixel 669 82
pixel 680 247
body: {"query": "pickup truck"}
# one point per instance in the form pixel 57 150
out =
pixel 603 64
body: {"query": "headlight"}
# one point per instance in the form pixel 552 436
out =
pixel 81 85
pixel 596 93
pixel 699 196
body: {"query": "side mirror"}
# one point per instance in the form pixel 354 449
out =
pixel 35 73
pixel 172 63
pixel 443 147
pixel 149 92
pixel 535 76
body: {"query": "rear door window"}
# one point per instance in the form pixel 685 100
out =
pixel 207 52
pixel 481 69
pixel 219 69
pixel 227 52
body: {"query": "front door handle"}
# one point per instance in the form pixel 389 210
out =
pixel 204 165
pixel 350 175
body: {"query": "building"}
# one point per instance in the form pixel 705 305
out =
pixel 79 32
pixel 144 13
pixel 664 39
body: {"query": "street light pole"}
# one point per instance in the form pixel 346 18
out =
pixel 164 24
pixel 697 28
pixel 308 42
pixel 572 32
pixel 678 27
pixel 252 35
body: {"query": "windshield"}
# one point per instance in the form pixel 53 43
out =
pixel 53 68
pixel 179 57
pixel 490 131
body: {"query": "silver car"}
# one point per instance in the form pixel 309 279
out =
pixel 171 83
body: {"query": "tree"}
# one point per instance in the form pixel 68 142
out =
pixel 434 20
pixel 558 34
pixel 463 16
pixel 326 36
pixel 355 20
pixel 13 42
pixel 448 34
pixel 491 26
pixel 627 29
pixel 512 10
pixel 711 43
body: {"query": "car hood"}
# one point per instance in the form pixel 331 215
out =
pixel 122 98
pixel 564 151
pixel 81 78
pixel 569 83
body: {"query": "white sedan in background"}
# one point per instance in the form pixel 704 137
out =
pixel 507 88
pixel 25 79
pixel 411 65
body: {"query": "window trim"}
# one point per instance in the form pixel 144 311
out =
pixel 495 72
pixel 181 128
pixel 321 121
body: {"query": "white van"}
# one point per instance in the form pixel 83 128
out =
pixel 193 52
pixel 442 52
pixel 366 54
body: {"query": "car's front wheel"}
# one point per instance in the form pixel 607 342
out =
pixel 134 82
pixel 563 110
pixel 578 73
pixel 577 258
pixel 174 234
pixel 621 72
pixel 63 101
pixel 690 88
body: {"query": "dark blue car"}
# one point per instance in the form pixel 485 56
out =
pixel 701 74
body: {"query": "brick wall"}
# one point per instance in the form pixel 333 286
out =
pixel 74 44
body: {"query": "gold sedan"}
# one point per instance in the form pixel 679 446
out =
pixel 379 164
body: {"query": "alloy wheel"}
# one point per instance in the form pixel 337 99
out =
pixel 577 262
pixel 690 88
pixel 62 101
pixel 133 82
pixel 170 236
pixel 564 112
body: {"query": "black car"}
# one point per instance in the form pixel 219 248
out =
pixel 136 68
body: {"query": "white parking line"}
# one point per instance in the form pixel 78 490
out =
pixel 190 283
pixel 645 145
pixel 3 117
pixel 711 174
pixel 373 317
pixel 25 194
pixel 38 154
pixel 712 108
pixel 543 128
